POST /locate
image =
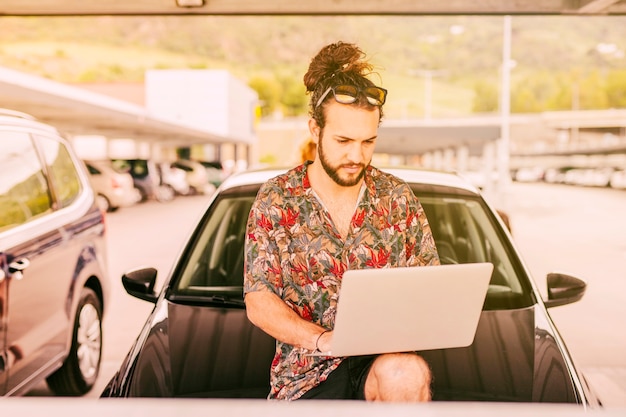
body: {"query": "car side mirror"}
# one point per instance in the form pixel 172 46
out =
pixel 140 283
pixel 564 289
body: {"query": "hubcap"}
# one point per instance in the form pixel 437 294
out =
pixel 89 341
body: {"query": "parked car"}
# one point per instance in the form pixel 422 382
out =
pixel 196 176
pixel 53 278
pixel 528 174
pixel 144 173
pixel 174 178
pixel 589 177
pixel 146 179
pixel 198 342
pixel 114 188
pixel 557 175
pixel 618 179
pixel 215 172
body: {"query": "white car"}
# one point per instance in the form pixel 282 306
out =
pixel 618 179
pixel 114 188
pixel 196 176
pixel 174 178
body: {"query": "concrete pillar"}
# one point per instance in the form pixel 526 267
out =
pixel 462 158
pixel 437 160
pixel 427 160
pixel 503 166
pixel 228 152
pixel 210 152
pixel 143 150
pixel 448 159
pixel 489 165
pixel 241 156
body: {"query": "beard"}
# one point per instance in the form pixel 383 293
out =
pixel 333 171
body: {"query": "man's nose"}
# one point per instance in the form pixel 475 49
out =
pixel 355 153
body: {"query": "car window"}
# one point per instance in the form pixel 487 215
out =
pixel 138 168
pixel 120 165
pixel 182 166
pixel 62 171
pixel 465 231
pixel 463 227
pixel 24 193
pixel 215 265
pixel 92 170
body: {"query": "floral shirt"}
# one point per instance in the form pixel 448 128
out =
pixel 294 250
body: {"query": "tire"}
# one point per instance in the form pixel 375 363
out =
pixel 103 203
pixel 80 370
pixel 143 193
pixel 164 193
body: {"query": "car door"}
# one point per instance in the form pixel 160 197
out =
pixel 39 271
pixel 3 323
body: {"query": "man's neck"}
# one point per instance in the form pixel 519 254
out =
pixel 339 201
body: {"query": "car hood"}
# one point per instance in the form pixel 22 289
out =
pixel 515 356
pixel 200 351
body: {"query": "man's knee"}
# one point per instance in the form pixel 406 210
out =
pixel 399 377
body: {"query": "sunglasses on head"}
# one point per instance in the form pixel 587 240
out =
pixel 347 94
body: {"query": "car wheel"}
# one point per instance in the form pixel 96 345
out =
pixel 103 203
pixel 143 194
pixel 164 193
pixel 80 369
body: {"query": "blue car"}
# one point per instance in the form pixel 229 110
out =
pixel 53 281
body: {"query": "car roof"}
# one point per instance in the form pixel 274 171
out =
pixel 408 174
pixel 17 121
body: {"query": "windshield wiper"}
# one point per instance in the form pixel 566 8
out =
pixel 208 299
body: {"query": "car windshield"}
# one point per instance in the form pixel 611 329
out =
pixel 214 266
pixel 464 228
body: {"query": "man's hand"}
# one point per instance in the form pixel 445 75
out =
pixel 271 314
pixel 323 341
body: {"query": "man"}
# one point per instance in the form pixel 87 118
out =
pixel 321 218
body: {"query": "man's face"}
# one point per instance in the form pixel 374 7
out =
pixel 346 144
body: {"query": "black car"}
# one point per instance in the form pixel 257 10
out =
pixel 53 281
pixel 197 342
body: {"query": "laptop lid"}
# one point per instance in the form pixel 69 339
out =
pixel 409 309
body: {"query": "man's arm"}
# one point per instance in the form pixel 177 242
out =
pixel 272 315
pixel 263 283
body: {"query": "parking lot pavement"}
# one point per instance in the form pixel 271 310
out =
pixel 610 382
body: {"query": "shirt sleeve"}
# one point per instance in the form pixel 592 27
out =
pixel 421 249
pixel 262 271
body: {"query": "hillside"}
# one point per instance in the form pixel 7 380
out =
pixel 466 50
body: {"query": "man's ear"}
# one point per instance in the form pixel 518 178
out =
pixel 314 130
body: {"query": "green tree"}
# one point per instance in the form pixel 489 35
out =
pixel 593 92
pixel 269 91
pixel 485 97
pixel 535 93
pixel 294 99
pixel 616 89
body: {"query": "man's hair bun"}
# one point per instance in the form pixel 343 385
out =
pixel 339 57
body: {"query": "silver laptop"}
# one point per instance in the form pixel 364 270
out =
pixel 409 309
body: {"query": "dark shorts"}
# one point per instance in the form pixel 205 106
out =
pixel 347 382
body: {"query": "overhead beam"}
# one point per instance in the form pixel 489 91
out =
pixel 76 111
pixel 596 6
pixel 311 7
